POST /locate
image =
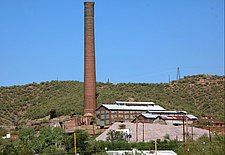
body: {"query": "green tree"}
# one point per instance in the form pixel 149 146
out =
pixel 69 143
pixel 50 136
pixel 26 135
pixel 82 141
pixel 57 136
pixel 113 135
pixel 9 149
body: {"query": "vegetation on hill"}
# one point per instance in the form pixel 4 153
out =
pixel 202 95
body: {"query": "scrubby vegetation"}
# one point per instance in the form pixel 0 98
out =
pixel 200 95
pixel 49 140
pixel 53 141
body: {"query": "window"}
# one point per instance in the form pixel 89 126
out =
pixel 132 112
pixel 126 112
pixel 113 112
pixel 120 117
pixel 102 111
pixel 120 112
pixel 102 116
pixel 127 117
pixel 113 116
pixel 132 117
pixel 107 116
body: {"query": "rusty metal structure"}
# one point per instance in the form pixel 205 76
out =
pixel 89 60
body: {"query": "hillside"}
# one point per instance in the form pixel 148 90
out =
pixel 200 95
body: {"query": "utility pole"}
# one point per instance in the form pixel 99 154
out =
pixel 143 136
pixel 169 78
pixel 75 143
pixel 136 128
pixel 187 134
pixel 155 147
pixel 93 125
pixel 184 141
pixel 210 138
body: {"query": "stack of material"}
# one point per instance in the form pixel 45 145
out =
pixel 155 131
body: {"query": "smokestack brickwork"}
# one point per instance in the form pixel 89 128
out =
pixel 89 59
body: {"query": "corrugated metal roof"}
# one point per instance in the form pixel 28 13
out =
pixel 192 116
pixel 147 115
pixel 178 122
pixel 168 112
pixel 124 102
pixel 177 116
pixel 136 108
pixel 166 117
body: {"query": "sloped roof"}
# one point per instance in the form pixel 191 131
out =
pixel 144 103
pixel 191 116
pixel 177 117
pixel 166 115
pixel 167 112
pixel 147 115
pixel 133 107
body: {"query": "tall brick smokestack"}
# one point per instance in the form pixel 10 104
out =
pixel 89 59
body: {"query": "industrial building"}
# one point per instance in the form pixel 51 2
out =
pixel 120 111
pixel 143 112
pixel 166 117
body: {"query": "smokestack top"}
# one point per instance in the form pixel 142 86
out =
pixel 89 4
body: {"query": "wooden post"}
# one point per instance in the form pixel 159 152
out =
pixel 155 147
pixel 75 143
pixel 74 136
pixel 210 139
pixel 136 129
pixel 184 141
pixel 93 125
pixel 187 133
pixel 143 136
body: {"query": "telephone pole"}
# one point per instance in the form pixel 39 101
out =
pixel 75 143
pixel 187 136
pixel 184 136
pixel 143 136
pixel 155 147
pixel 136 128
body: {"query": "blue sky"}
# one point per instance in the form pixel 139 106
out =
pixel 136 40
